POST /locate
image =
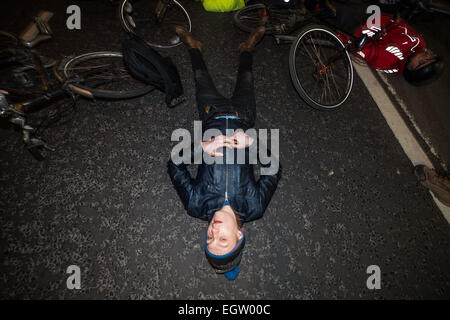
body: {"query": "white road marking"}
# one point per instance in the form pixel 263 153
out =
pixel 401 131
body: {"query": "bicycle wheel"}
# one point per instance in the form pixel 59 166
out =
pixel 320 67
pixel 276 20
pixel 154 21
pixel 100 75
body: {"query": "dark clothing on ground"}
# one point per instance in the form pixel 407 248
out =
pixel 210 102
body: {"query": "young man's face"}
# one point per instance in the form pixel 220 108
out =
pixel 223 232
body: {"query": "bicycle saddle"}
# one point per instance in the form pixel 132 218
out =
pixel 37 31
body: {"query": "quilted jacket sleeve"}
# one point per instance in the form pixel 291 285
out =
pixel 182 181
pixel 265 188
pixel 184 184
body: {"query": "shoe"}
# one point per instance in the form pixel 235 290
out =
pixel 256 36
pixel 187 38
pixel 439 185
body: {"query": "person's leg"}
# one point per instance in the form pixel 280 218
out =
pixel 243 98
pixel 203 81
pixel 208 98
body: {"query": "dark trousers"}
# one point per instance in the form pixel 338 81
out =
pixel 210 102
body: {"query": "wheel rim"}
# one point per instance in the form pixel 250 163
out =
pixel 258 15
pixel 322 69
pixel 276 21
pixel 140 19
pixel 101 72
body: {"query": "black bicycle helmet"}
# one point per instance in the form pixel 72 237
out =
pixel 426 74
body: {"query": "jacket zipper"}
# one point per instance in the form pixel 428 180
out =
pixel 226 167
pixel 226 175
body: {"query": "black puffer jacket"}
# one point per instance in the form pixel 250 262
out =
pixel 216 183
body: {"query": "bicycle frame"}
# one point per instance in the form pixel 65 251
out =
pixel 83 82
pixel 351 43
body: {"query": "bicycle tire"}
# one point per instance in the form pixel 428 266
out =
pixel 65 73
pixel 297 82
pixel 127 22
pixel 252 9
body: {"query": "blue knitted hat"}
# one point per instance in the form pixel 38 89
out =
pixel 227 264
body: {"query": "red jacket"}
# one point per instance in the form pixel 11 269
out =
pixel 390 52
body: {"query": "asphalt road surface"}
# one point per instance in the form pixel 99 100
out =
pixel 426 108
pixel 103 201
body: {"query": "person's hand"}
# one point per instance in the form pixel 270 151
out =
pixel 240 140
pixel 215 143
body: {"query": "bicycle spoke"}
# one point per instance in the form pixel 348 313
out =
pixel 321 70
pixel 316 86
pixel 330 90
pixel 321 98
pixel 334 81
pixel 316 51
pixel 309 54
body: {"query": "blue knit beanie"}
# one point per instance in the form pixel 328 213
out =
pixel 227 264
